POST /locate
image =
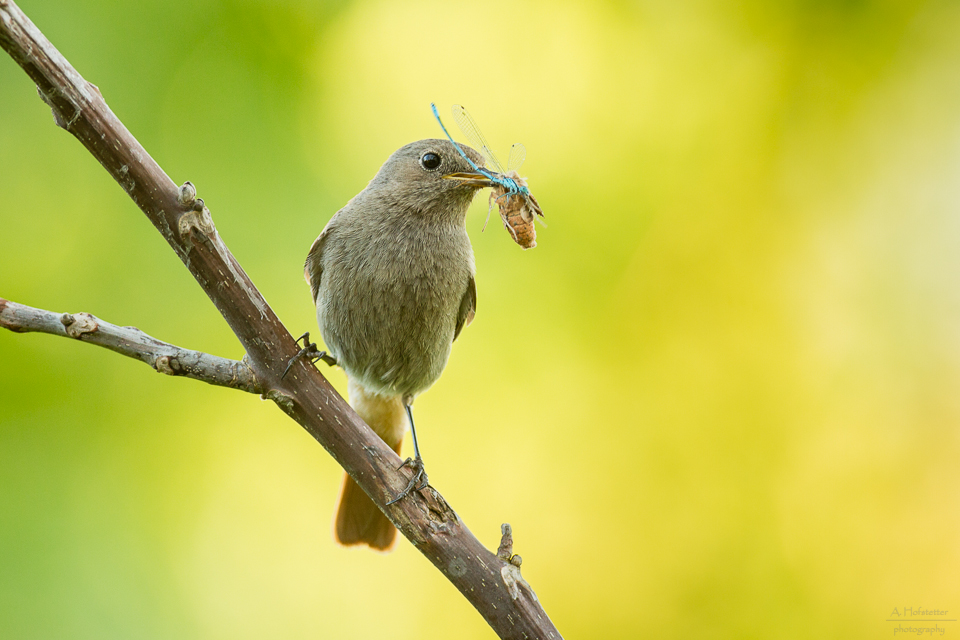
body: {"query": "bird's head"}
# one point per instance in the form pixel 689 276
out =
pixel 431 177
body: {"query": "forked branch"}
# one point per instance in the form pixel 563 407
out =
pixel 131 342
pixel 506 602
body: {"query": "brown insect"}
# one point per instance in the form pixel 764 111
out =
pixel 518 211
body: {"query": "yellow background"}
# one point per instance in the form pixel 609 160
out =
pixel 720 399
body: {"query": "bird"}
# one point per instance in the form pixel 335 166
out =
pixel 392 275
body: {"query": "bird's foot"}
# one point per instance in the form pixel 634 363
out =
pixel 310 352
pixel 417 481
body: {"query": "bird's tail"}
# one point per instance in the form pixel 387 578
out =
pixel 359 521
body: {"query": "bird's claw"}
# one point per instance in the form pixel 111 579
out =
pixel 310 352
pixel 417 481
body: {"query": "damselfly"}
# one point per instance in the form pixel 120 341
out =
pixel 518 207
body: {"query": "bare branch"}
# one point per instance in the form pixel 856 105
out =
pixel 491 584
pixel 131 342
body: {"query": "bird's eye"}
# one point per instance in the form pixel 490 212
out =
pixel 430 161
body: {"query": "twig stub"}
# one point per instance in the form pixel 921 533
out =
pixel 506 542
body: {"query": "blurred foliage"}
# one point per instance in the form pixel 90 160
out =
pixel 718 400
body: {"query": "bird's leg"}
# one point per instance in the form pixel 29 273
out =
pixel 419 478
pixel 310 352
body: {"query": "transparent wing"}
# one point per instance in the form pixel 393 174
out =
pixel 518 153
pixel 472 132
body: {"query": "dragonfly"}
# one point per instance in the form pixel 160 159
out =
pixel 505 178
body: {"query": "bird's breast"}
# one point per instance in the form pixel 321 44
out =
pixel 388 303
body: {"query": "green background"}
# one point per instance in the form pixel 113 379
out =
pixel 720 399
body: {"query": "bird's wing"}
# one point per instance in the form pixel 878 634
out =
pixel 313 268
pixel 468 307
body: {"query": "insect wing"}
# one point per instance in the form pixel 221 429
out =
pixel 518 153
pixel 472 132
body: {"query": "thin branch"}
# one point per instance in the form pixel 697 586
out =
pixel 133 343
pixel 506 603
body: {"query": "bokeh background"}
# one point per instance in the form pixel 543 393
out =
pixel 720 399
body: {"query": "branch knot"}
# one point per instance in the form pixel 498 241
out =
pixel 168 365
pixel 197 218
pixel 78 324
pixel 283 401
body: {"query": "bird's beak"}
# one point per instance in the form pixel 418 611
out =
pixel 470 179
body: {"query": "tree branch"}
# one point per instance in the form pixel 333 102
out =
pixel 507 604
pixel 133 343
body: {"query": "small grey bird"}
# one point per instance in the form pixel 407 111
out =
pixel 392 275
